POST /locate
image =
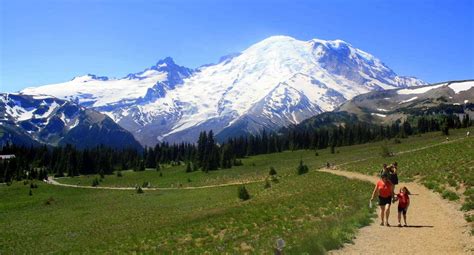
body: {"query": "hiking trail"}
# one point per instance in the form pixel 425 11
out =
pixel 435 226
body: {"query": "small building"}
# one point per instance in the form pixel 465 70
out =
pixel 7 156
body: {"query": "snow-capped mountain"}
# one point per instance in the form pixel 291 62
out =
pixel 273 83
pixel 35 120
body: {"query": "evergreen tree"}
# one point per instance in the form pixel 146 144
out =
pixel 243 193
pixel 302 168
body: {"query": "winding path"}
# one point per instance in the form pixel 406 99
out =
pixel 52 181
pixel 435 226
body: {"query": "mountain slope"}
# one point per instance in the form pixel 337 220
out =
pixel 34 120
pixel 273 83
pixel 386 107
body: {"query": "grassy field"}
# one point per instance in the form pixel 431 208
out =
pixel 315 207
pixel 312 212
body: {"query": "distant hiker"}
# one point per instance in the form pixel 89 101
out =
pixel 403 203
pixel 467 134
pixel 384 170
pixel 385 193
pixel 393 177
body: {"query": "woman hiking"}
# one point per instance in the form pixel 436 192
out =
pixel 385 193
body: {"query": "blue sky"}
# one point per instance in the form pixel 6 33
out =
pixel 52 41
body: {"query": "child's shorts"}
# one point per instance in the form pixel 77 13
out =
pixel 403 210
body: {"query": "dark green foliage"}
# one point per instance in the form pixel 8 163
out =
pixel 189 168
pixel 272 171
pixel 449 195
pixel 445 129
pixel 95 182
pixel 146 184
pixel 119 174
pixel 302 168
pixel 158 167
pixel 161 174
pixel 189 180
pixel 208 152
pixel 139 190
pixel 243 193
pixel 31 193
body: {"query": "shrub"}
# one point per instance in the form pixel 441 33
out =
pixel 189 180
pixel 397 141
pixel 146 184
pixel 31 193
pixel 119 174
pixel 272 171
pixel 302 168
pixel 161 174
pixel 158 167
pixel 449 195
pixel 243 193
pixel 95 182
pixel 467 206
pixel 139 190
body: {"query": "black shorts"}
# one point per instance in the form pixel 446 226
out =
pixel 393 179
pixel 384 200
pixel 403 210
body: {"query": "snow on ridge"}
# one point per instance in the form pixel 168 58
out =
pixel 408 100
pixel 461 86
pixel 378 114
pixel 416 90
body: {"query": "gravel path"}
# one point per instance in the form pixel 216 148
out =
pixel 435 226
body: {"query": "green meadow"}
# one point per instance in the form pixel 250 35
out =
pixel 312 213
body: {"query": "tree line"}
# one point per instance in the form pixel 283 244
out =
pixel 208 155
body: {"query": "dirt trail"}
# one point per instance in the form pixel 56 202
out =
pixel 436 226
pixel 52 181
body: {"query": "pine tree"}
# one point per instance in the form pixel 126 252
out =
pixel 302 168
pixel 272 171
pixel 243 193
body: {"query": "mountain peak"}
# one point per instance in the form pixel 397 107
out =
pixel 168 61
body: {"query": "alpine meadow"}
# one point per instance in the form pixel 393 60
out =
pixel 265 127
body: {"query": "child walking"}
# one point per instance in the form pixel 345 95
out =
pixel 403 203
